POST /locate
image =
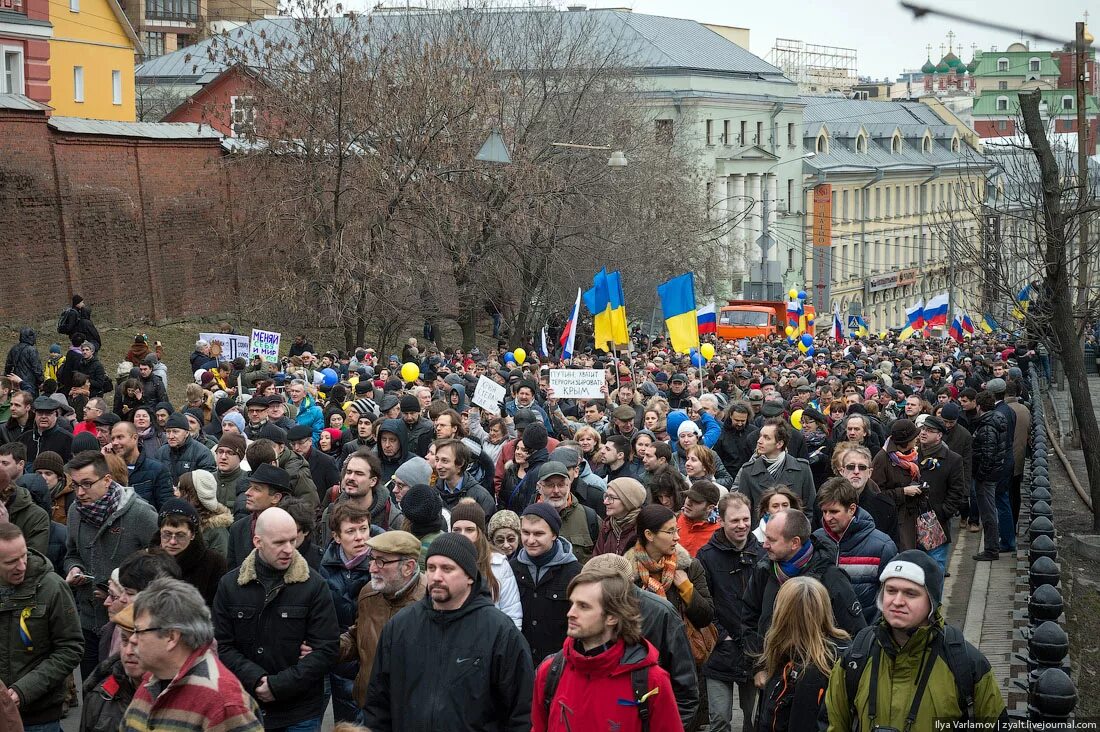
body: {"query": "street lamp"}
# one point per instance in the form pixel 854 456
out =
pixel 493 150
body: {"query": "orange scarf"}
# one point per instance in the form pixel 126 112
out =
pixel 655 575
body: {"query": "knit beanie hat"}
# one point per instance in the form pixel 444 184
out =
pixel 611 562
pixel 501 520
pixel 177 421
pixel 630 492
pixel 235 419
pixel 206 488
pixel 180 508
pixel 223 405
pixel 84 441
pixel 334 434
pixel 414 471
pixel 547 513
pixel 50 461
pixel 458 549
pixel 472 512
pixel 917 567
pixel 235 443
pixel 534 437
pixel 423 508
pixel 409 403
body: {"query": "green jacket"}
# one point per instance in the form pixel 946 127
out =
pixel 898 676
pixel 56 645
pixel 31 519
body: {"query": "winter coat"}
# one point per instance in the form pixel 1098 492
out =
pixel 545 601
pixel 227 486
pixel 728 570
pixel 580 527
pixel 323 470
pixel 735 447
pixel 961 443
pixel 700 609
pixel 215 532
pixel 753 479
pixel 98 381
pixel 988 453
pixel 390 465
pixel 508 600
pixel 864 552
pixel 31 519
pixel 200 567
pixel 192 455
pixel 882 509
pixel 478 676
pixel 758 601
pixel 150 443
pixel 469 488
pixel 37 671
pixel 261 636
pixel 897 681
pixel 55 439
pixel 107 694
pixel 590 688
pixel 310 415
pixel 373 611
pixel 792 699
pixel 23 361
pixel 694 534
pixel 943 471
pixel 151 480
pixel 1020 434
pixel 98 552
pixel 240 541
pixel 608 543
pixel 344 584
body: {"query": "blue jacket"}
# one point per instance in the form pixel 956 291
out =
pixel 344 584
pixel 151 480
pixel 712 429
pixel 192 456
pixel 311 416
pixel 864 550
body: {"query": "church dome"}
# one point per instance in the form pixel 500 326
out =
pixel 928 68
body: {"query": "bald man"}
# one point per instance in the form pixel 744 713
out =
pixel 261 640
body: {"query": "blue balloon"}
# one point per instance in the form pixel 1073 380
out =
pixel 807 340
pixel 698 361
pixel 331 377
pixel 801 294
pixel 810 351
pixel 790 341
pixel 510 357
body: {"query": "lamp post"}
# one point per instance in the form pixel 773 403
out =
pixel 765 240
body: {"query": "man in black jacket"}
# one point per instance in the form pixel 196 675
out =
pixel 479 674
pixel 988 453
pixel 943 471
pixel 47 436
pixel 728 559
pixel 322 468
pixel 264 612
pixel 183 453
pixel 23 361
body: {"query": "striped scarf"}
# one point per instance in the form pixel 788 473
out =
pixel 793 567
pixel 655 576
pixel 907 461
pixel 97 512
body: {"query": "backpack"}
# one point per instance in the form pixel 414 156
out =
pixel 639 679
pixel 66 324
pixel 949 643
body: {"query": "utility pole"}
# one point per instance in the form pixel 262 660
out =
pixel 765 241
pixel 1083 253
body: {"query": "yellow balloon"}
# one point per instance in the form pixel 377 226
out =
pixel 707 349
pixel 410 372
pixel 802 347
pixel 796 419
pixel 793 293
pixel 521 356
pixel 789 331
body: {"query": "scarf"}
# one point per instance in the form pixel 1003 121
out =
pixel 907 461
pixel 545 558
pixel 354 562
pixel 621 523
pixel 98 512
pixel 794 566
pixel 655 575
pixel 774 465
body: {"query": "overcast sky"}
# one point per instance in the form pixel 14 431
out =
pixel 885 36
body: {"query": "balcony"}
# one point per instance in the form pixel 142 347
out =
pixel 172 11
pixel 15 6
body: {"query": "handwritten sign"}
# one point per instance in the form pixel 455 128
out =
pixel 577 383
pixel 266 344
pixel 226 347
pixel 488 394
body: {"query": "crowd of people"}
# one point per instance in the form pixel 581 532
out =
pixel 747 535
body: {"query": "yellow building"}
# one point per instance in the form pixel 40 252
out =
pixel 92 60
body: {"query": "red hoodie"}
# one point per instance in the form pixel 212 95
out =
pixel 591 687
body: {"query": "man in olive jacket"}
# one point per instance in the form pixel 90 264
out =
pixel 44 641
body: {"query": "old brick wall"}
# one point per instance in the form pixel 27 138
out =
pixel 130 224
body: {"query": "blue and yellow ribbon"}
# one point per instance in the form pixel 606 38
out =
pixel 24 631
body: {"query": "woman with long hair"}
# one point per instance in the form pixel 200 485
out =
pixel 622 500
pixel 773 500
pixel 666 488
pixel 468 519
pixel 800 648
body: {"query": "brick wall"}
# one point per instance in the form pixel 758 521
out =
pixel 130 224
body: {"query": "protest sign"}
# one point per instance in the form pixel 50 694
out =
pixel 488 394
pixel 577 383
pixel 226 347
pixel 266 344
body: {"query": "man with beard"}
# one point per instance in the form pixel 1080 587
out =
pixel 361 486
pixel 579 524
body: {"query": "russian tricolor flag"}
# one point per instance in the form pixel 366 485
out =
pixel 967 323
pixel 956 330
pixel 707 319
pixel 935 313
pixel 569 332
pixel 838 327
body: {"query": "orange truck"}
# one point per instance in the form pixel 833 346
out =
pixel 751 318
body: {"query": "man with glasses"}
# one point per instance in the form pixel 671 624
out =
pixel 188 687
pixel 854 465
pixel 227 457
pixel 264 612
pixel 396 582
pixel 43 643
pixel 943 471
pixel 107 523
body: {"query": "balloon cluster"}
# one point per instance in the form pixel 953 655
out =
pixel 515 358
pixel 701 355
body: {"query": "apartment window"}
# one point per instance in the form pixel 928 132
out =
pixel 710 132
pixel 741 140
pixel 1033 64
pixel 12 80
pixel 179 10
pixel 116 87
pixel 78 83
pixel 725 132
pixel 1002 64
pixel 889 205
pixel 878 203
pixel 154 44
pixel 1002 124
pixel 1002 85
pixel 790 134
pixel 844 205
pixel 759 133
pixel 74 6
pixel 1002 104
pixel 790 195
pixel 1067 102
pixel 908 202
pixel 243 113
pixel 664 131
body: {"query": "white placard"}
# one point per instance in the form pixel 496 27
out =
pixel 265 343
pixel 488 394
pixel 577 383
pixel 227 346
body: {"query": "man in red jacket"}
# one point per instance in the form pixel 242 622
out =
pixel 606 675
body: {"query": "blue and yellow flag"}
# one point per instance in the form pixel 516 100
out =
pixel 620 332
pixel 598 302
pixel 1023 300
pixel 678 308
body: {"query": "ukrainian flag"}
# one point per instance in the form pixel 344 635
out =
pixel 598 302
pixel 620 332
pixel 988 324
pixel 1023 300
pixel 678 308
pixel 915 316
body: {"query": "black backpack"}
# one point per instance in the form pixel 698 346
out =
pixel 66 324
pixel 639 679
pixel 961 658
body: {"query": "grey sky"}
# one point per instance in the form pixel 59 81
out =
pixel 885 36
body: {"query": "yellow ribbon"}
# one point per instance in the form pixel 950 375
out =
pixel 24 631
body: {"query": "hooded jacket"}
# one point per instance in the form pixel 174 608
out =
pixel 451 670
pixel 310 415
pixel 728 570
pixel 390 465
pixel 192 455
pixel 545 601
pixel 593 688
pixel 99 551
pixel 758 601
pixel 988 446
pixel 864 551
pixel 31 519
pixel 37 671
pixel 460 390
pixel 23 361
